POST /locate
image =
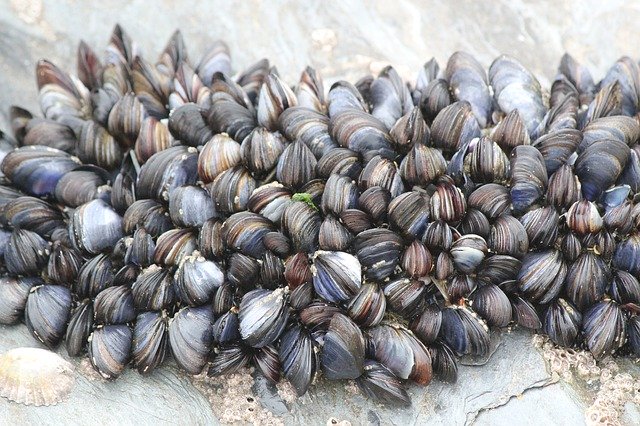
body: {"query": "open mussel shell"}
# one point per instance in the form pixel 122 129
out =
pixel 190 337
pixel 562 322
pixel 263 314
pixel 79 328
pixel 197 279
pixel 13 297
pixel 47 312
pixel 109 349
pixel 150 341
pixel 95 227
pixel 299 358
pixel 343 352
pixel 464 331
pixel 379 383
pixel 336 275
pixel 604 328
pixel 33 376
pixel 401 352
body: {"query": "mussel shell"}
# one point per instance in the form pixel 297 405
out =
pixel 150 340
pixel 190 206
pixel 26 253
pixel 36 170
pixel 165 171
pixel 367 308
pixel 562 322
pixel 342 355
pixel 229 359
pixel 219 154
pixel 196 280
pixel 445 367
pixel 244 232
pixel 13 297
pixel 109 349
pixel 378 251
pixel 190 337
pixel 226 328
pixel 464 332
pixel 542 275
pixel 153 289
pixel 604 328
pixel 490 302
pixel 299 358
pixel 336 275
pixel 586 280
pixel 174 245
pixel 401 352
pixel 263 316
pixel 79 328
pixel 95 227
pixel 114 305
pixel 32 214
pixel 46 313
pixel 426 325
pixel 379 383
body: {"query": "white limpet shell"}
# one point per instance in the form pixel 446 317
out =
pixel 33 376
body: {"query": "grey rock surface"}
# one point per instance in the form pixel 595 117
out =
pixel 344 40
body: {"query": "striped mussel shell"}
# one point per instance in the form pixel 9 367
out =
pixel 562 322
pixel 336 275
pixel 36 170
pixel 191 206
pixel 219 153
pixel 165 171
pixel 150 341
pixel 109 349
pixel 262 316
pixel 153 137
pixel 378 251
pixel 190 337
pixel 454 126
pixel 398 349
pixel 188 124
pixel 604 328
pixel 261 150
pixel 542 275
pixel 197 279
pixel 343 352
pixel 14 292
pixel 274 98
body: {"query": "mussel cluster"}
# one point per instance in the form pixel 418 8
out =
pixel 375 232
